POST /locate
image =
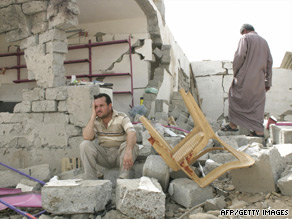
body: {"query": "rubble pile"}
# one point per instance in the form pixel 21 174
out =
pixel 155 191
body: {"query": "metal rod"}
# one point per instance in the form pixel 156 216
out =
pixel 18 63
pixel 97 44
pixel 18 210
pixel 76 61
pixel 131 70
pixel 23 80
pixel 90 60
pixel 11 54
pixel 11 168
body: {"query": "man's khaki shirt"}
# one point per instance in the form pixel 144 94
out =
pixel 116 132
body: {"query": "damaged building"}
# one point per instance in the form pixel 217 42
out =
pixel 55 55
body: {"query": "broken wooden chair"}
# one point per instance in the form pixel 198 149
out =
pixel 186 152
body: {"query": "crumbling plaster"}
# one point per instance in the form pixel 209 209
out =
pixel 28 133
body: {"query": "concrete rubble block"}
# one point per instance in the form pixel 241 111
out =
pixel 44 106
pixel 285 184
pixel 9 178
pixel 230 140
pixel 182 119
pixel 140 198
pixel 27 185
pixel 62 106
pixel 39 27
pixel 6 117
pixel 161 106
pixel 188 193
pixel 154 83
pixel 286 152
pixel 205 68
pixel 161 116
pixel 222 157
pixel 263 175
pixel 149 97
pixel 158 53
pixel 34 7
pixel 139 130
pixel 180 173
pixel 138 169
pixel 215 100
pixel 58 93
pixel 56 46
pixel 243 140
pixel 11 17
pixel 180 104
pixel 155 167
pixel 5 3
pixel 33 95
pixel 211 165
pixel 23 107
pixel 173 141
pixel 215 204
pixel 281 134
pixel 65 19
pixel 113 174
pixel 76 196
pixel 176 112
pixel 28 42
pixel 72 130
pixel 53 34
pixel 166 54
pixel 159 73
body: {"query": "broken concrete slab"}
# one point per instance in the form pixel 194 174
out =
pixel 188 193
pixel 140 198
pixel 281 134
pixel 68 196
pixel 155 167
pixel 285 184
pixel 9 178
pixel 215 204
pixel 286 152
pixel 263 175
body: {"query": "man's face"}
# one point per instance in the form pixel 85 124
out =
pixel 102 109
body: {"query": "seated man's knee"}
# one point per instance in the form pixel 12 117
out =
pixel 85 144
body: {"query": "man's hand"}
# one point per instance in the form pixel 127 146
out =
pixel 128 159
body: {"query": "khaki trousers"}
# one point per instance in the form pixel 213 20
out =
pixel 92 153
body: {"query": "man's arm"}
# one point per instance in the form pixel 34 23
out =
pixel 268 76
pixel 239 56
pixel 128 156
pixel 88 132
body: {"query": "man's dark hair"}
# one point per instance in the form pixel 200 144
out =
pixel 247 27
pixel 107 97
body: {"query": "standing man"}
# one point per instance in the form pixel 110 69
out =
pixel 252 67
pixel 116 139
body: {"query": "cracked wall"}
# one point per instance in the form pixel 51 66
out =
pixel 40 26
pixel 214 78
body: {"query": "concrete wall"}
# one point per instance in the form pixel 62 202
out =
pixel 46 126
pixel 214 78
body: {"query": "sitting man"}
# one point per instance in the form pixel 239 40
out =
pixel 116 139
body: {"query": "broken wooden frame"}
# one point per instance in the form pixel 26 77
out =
pixel 186 152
